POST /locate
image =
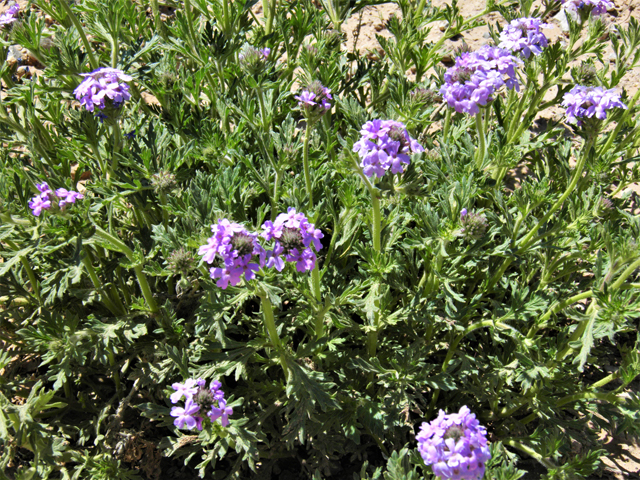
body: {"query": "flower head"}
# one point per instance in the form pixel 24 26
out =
pixel 385 145
pixel 67 196
pixel 103 88
pixel 253 60
pixel 200 402
pixel 315 101
pixel 10 15
pixel 293 238
pixel 594 7
pixel 474 225
pixel 586 102
pixel 523 35
pixel 47 199
pixel 476 76
pixel 239 250
pixel 454 445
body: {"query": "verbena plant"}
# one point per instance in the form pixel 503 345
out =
pixel 435 284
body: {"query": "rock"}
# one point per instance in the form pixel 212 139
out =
pixel 486 35
pixel 24 71
pixel 561 18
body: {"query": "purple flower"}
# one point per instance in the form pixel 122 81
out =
pixel 221 412
pixel 476 76
pixel 596 7
pixel 523 35
pixel 187 415
pixel 10 15
pixel 265 52
pixel 186 389
pixel 293 238
pixel 305 99
pixel 44 200
pixel 587 102
pixel 454 445
pixel 43 188
pixel 67 196
pixel 238 249
pixel 385 145
pixel 103 87
pixel 314 101
pixel 39 203
pixel 199 398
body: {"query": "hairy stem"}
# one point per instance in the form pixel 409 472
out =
pixel 270 325
pixel 481 151
pixel 305 163
pixel 76 23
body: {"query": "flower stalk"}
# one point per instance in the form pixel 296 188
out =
pixel 83 36
pixel 270 326
pixel 117 245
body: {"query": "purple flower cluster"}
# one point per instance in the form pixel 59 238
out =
pixel 585 102
pixel 293 237
pixel 46 198
pixel 239 249
pixel 201 402
pixel 455 446
pixel 598 7
pixel 385 145
pixel 476 76
pixel 10 15
pixel 314 101
pixel 242 254
pixel 523 35
pixel 101 85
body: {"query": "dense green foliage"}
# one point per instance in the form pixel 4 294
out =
pixel 112 301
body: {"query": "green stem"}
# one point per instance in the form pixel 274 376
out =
pixel 372 336
pixel 97 284
pixel 529 451
pixel 315 281
pixel 116 373
pixel 157 21
pixel 480 152
pixel 163 206
pixel 447 122
pixel 119 246
pixel 555 308
pixel 276 194
pixel 305 163
pixel 615 134
pixel 87 46
pixel 625 274
pixel 608 397
pixel 377 221
pixel 32 278
pixel 577 174
pixel 190 27
pixel 605 380
pixel 270 325
pixel 273 4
